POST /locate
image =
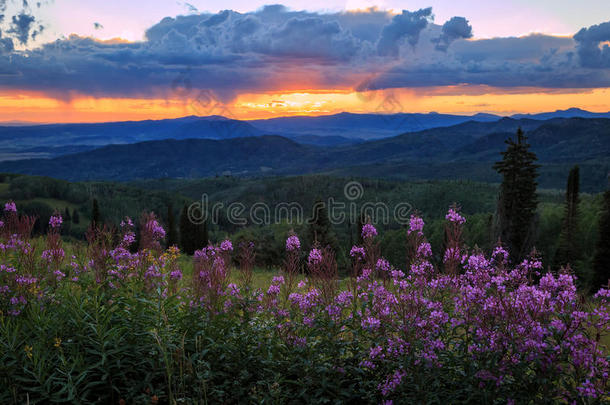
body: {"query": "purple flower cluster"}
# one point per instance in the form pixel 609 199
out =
pixel 55 221
pixel 416 225
pixel 10 207
pixel 315 257
pixel 155 229
pixel 357 252
pixel 454 216
pixel 226 246
pixel 293 243
pixel 368 231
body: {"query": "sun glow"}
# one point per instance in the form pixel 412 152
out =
pixel 38 107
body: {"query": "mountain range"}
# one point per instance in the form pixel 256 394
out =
pixel 465 150
pixel 51 140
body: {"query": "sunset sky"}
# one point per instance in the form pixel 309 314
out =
pixel 86 61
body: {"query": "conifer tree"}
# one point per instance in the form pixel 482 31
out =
pixel 320 229
pixel 67 216
pixel 75 217
pixel 518 200
pixel 186 232
pixel 193 236
pixel 601 261
pixel 568 251
pixel 95 214
pixel 172 236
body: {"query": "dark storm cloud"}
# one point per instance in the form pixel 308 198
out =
pixel 531 61
pixel 455 28
pixel 230 53
pixel 407 26
pixel 590 49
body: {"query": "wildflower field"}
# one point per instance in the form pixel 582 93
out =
pixel 111 322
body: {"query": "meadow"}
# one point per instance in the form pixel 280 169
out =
pixel 120 319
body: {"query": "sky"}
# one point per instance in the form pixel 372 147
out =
pixel 93 61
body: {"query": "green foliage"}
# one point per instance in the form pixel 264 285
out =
pixel 518 200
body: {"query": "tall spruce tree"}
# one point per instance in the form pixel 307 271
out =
pixel 320 229
pixel 601 261
pixel 518 200
pixel 75 216
pixel 67 216
pixel 187 243
pixel 568 251
pixel 95 214
pixel 193 236
pixel 172 234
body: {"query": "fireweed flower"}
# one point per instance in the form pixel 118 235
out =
pixel 453 253
pixel 155 229
pixel 10 207
pixel 55 221
pixel 416 225
pixel 315 256
pixel 424 250
pixel 500 255
pixel 391 383
pixel 293 243
pixel 175 275
pixel 59 275
pixel 278 280
pixel 368 231
pixel 383 265
pixel 371 323
pixel 454 216
pixel 226 246
pixel 357 252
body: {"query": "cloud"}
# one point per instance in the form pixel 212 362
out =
pixel 274 49
pixel 98 26
pixel 6 45
pixel 407 26
pixel 455 28
pixel 191 8
pixel 592 50
pixel 21 27
pixel 531 61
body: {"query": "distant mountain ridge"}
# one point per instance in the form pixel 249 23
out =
pixel 343 129
pixel 466 150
